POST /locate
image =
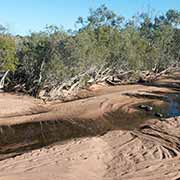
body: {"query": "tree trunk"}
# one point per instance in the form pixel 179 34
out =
pixel 3 79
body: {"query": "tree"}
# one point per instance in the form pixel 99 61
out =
pixel 8 60
pixel 103 40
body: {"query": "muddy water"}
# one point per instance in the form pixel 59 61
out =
pixel 124 120
pixel 174 105
pixel 30 136
pixel 170 108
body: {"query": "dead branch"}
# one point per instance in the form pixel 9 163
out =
pixel 3 80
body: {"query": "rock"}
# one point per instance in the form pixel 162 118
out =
pixel 149 108
pixel 146 107
pixel 158 114
pixel 142 106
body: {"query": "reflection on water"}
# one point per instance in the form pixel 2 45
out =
pixel 171 107
pixel 39 134
pixel 174 105
pixel 120 119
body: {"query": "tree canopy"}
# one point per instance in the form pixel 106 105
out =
pixel 103 39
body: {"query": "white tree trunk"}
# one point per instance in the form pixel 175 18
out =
pixel 3 79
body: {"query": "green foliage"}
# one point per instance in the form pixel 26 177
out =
pixel 8 60
pixel 103 39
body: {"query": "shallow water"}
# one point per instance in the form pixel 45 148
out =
pixel 174 105
pixel 171 108
pixel 39 134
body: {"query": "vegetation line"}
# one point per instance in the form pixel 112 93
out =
pixel 103 44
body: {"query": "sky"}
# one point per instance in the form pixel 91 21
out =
pixel 24 16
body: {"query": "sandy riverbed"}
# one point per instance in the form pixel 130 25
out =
pixel 101 137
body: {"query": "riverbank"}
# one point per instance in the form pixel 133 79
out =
pixel 108 130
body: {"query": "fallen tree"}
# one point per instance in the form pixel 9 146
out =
pixel 68 90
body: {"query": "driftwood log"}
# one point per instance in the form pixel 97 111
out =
pixel 109 76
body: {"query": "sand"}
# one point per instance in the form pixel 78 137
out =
pixel 98 138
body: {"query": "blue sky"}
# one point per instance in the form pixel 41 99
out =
pixel 20 16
